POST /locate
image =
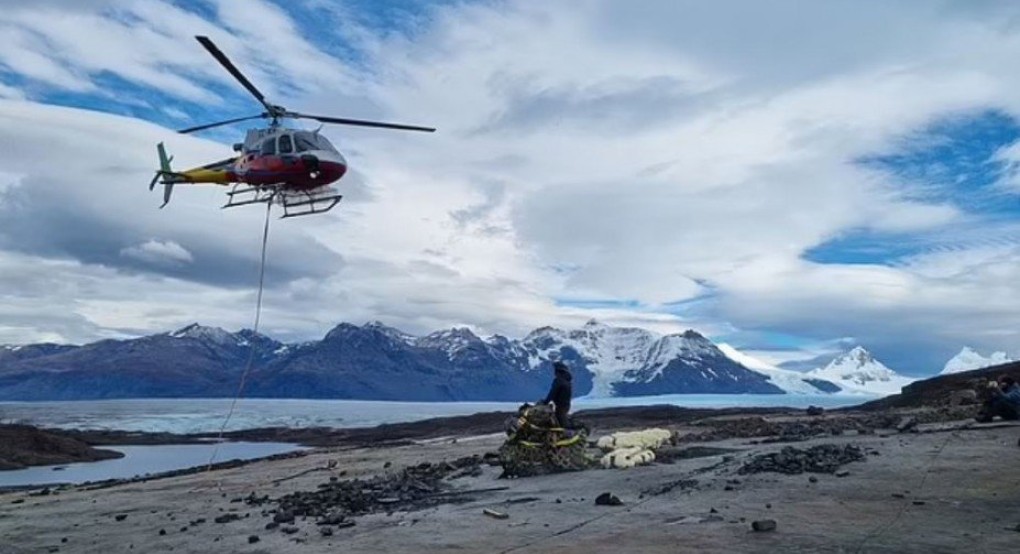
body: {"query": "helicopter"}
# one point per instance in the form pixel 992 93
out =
pixel 291 167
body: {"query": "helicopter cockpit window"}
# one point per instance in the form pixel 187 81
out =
pixel 269 147
pixel 286 146
pixel 324 144
pixel 305 141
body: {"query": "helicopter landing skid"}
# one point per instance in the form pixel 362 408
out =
pixel 295 204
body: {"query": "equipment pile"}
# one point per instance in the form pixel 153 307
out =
pixel 536 444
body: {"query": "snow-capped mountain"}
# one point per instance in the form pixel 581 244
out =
pixel 792 382
pixel 374 361
pixel 969 359
pixel 628 361
pixel 609 352
pixel 859 371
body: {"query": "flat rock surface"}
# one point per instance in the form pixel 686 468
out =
pixel 940 491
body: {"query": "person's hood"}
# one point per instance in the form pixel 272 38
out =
pixel 565 374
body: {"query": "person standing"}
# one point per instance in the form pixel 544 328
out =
pixel 561 392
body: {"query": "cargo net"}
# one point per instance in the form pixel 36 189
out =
pixel 537 445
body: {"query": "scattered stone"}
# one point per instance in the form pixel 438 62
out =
pixel 1017 528
pixel 410 488
pixel 252 539
pixel 607 499
pixel 289 530
pixel 53 549
pixel 333 518
pixel 495 514
pixel 682 484
pixel 813 479
pixel 326 531
pixel 120 517
pixel 906 424
pixel 842 473
pixel 227 518
pixel 713 511
pixel 162 532
pixel 18 501
pixel 284 516
pixel 184 529
pixel 919 503
pixel 768 506
pixel 898 495
pixel 729 488
pixel 522 500
pixel 764 525
pixel 815 410
pixel 272 525
pixel 64 540
pixel 824 458
pixel 387 465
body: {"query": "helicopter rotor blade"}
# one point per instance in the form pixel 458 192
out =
pixel 361 122
pixel 217 124
pixel 229 66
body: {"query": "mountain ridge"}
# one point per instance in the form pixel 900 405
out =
pixel 374 361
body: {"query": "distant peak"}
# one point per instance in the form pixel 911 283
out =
pixel 183 331
pixel 202 332
pixel 693 335
pixel 858 354
pixel 455 332
pixel 593 323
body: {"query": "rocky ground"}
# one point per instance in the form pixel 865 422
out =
pixel 917 480
pixel 912 474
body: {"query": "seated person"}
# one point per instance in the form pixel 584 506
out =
pixel 1003 400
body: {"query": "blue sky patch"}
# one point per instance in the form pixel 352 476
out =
pixel 950 161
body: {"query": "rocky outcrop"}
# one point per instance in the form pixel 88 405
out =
pixel 23 445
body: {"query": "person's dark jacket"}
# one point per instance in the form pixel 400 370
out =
pixel 561 391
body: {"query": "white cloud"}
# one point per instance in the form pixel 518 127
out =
pixel 158 252
pixel 652 155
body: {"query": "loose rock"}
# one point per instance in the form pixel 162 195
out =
pixel 906 424
pixel 764 525
pixel 252 539
pixel 284 516
pixel 120 517
pixel 607 499
pixel 227 518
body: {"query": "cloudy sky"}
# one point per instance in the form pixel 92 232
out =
pixel 790 177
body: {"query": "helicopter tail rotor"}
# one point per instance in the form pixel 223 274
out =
pixel 164 170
